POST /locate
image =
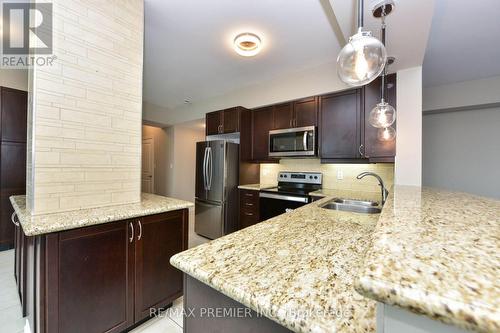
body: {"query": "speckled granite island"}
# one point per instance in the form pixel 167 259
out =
pixel 47 223
pixel 297 269
pixel 432 254
pixel 102 269
pixel 437 253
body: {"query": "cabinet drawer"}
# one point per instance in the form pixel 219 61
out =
pixel 249 197
pixel 248 219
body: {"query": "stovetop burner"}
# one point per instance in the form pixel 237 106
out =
pixel 297 183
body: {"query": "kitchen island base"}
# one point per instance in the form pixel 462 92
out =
pixel 107 277
pixel 207 310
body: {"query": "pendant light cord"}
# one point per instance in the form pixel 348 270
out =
pixel 384 72
pixel 360 14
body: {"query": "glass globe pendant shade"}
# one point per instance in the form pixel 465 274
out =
pixel 386 134
pixel 383 115
pixel 361 60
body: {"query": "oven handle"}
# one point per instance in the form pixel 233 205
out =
pixel 283 197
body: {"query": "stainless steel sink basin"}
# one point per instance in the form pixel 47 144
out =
pixel 355 206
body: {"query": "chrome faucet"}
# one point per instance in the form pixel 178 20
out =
pixel 385 192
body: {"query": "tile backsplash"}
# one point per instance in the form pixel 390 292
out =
pixel 86 109
pixel 269 172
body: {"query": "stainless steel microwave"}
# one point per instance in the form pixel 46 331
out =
pixel 293 142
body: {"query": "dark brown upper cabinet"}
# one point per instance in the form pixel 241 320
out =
pixel 306 112
pixel 375 150
pixel 246 135
pixel 340 126
pixel 283 116
pixel 14 107
pixel 262 123
pixel 224 121
pixel 213 122
pixel 300 113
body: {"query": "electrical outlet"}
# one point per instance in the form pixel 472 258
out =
pixel 340 174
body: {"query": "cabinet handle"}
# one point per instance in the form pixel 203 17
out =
pixel 131 239
pixel 249 214
pixel 140 230
pixel 249 194
pixel 361 147
pixel 248 204
pixel 13 219
pixel 291 122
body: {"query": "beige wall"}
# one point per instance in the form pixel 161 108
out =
pixel 87 109
pixel 409 127
pixel 462 94
pixel 161 156
pixel 182 158
pixel 14 78
pixel 269 172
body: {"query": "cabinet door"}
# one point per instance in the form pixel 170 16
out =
pixel 283 116
pixel 340 125
pixel 158 237
pixel 12 182
pixel 90 276
pixel 14 106
pixel 382 151
pixel 231 120
pixel 246 135
pixel 213 123
pixel 306 112
pixel 262 121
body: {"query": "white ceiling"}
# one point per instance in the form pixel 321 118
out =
pixel 464 42
pixel 188 46
pixel 188 49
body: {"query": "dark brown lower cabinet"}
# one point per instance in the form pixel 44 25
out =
pixel 249 208
pixel 106 278
pixel 157 283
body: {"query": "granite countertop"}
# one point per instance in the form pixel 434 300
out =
pixel 256 187
pixel 437 253
pixel 43 224
pixel 298 268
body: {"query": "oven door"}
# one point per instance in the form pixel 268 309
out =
pixel 272 204
pixel 293 142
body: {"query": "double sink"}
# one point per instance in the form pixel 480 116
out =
pixel 352 205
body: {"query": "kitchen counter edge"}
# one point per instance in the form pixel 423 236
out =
pixel 34 225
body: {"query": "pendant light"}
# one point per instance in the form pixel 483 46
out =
pixel 383 115
pixel 363 58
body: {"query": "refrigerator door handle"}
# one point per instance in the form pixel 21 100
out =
pixel 209 168
pixel 205 160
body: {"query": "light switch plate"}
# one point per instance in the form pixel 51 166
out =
pixel 340 174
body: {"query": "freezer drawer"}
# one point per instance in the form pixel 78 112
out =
pixel 209 219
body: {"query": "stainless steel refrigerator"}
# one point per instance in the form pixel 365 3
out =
pixel 216 204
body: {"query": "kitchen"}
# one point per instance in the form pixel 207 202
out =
pixel 252 185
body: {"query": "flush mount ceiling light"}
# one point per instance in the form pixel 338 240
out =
pixel 247 44
pixel 362 59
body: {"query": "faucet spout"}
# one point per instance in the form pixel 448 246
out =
pixel 385 192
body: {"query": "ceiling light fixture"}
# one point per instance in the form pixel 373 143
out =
pixel 247 44
pixel 362 59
